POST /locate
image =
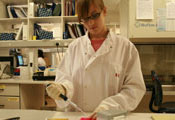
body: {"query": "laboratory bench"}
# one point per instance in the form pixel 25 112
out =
pixel 22 94
pixel 29 94
pixel 46 115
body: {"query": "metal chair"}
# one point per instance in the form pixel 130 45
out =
pixel 157 98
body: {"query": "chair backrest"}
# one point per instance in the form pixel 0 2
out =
pixel 157 95
pixel 157 89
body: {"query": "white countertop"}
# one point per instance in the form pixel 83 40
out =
pixel 38 114
pixel 18 81
pixel 43 115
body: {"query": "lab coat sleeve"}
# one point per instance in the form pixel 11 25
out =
pixel 63 76
pixel 133 88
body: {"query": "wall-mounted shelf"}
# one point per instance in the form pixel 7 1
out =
pixel 7 24
pixel 34 43
pixel 70 18
pixel 13 20
pixel 15 2
pixel 51 19
pixel 52 43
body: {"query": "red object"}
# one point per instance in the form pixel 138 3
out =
pixel 17 70
pixel 86 118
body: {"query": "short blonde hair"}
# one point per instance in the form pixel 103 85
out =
pixel 83 7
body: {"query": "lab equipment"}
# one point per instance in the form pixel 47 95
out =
pixel 20 60
pixel 65 98
pixel 24 73
pixel 111 115
pixel 50 72
pixel 6 66
pixel 71 103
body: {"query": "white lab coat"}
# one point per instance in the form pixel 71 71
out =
pixel 111 76
pixel 41 62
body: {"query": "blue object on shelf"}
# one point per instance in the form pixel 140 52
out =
pixel 42 68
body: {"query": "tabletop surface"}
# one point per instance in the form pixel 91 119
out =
pixel 18 81
pixel 44 115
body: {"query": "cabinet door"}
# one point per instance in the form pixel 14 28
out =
pixel 9 102
pixel 9 89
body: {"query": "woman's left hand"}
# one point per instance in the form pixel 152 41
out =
pixel 98 109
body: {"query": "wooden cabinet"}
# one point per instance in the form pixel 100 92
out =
pixel 9 102
pixel 21 94
pixel 9 89
pixel 9 96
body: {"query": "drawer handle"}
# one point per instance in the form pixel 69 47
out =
pixel 2 106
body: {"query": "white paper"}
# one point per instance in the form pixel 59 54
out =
pixel 170 9
pixel 144 9
pixel 161 12
pixel 161 19
pixel 57 31
pixel 54 27
pixel 170 25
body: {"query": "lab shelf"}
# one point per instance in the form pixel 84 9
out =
pixel 34 43
pixel 65 43
pixel 51 19
pixel 70 18
pixel 17 81
pixel 17 2
pixel 13 20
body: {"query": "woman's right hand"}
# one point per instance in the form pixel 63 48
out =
pixel 54 90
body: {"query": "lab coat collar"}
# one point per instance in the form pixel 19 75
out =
pixel 105 47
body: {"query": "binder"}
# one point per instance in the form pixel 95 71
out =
pixel 12 10
pixel 9 12
pixel 57 10
pixel 15 11
pixel 19 13
pixel 32 9
pixel 19 31
pixel 71 32
pixel 25 32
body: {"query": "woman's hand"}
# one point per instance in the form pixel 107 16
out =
pixel 54 90
pixel 93 116
pixel 98 109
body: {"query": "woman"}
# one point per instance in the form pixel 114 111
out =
pixel 41 61
pixel 100 70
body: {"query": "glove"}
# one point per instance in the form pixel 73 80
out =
pixel 54 90
pixel 100 108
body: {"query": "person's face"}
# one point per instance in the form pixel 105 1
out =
pixel 95 22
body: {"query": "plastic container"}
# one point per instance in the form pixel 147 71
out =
pixel 83 118
pixel 111 114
